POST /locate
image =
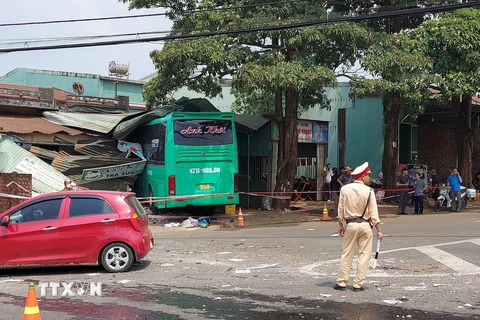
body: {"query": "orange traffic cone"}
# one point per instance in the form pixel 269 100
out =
pixel 325 216
pixel 32 312
pixel 241 223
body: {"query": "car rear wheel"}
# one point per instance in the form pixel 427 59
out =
pixel 117 257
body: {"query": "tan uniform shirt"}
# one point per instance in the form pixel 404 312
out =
pixel 353 200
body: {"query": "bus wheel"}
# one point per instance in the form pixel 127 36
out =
pixel 151 204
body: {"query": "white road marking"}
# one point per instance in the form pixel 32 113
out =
pixel 476 241
pixel 459 266
pixel 450 260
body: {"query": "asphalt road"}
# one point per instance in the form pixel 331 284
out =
pixel 428 268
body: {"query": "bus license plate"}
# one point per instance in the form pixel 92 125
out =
pixel 204 187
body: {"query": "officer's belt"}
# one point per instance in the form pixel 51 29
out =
pixel 358 220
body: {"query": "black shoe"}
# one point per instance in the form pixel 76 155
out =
pixel 358 289
pixel 341 288
pixel 404 213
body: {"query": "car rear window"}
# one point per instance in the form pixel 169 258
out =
pixel 135 204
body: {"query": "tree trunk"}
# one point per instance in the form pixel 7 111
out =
pixel 287 145
pixel 391 118
pixel 464 136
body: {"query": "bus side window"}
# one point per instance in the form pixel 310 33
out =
pixel 153 142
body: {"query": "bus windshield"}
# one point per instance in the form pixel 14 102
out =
pixel 203 132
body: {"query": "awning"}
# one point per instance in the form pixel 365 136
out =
pixel 29 124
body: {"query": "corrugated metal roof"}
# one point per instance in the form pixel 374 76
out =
pixel 125 127
pixel 117 184
pixel 102 123
pixel 43 153
pixel 29 124
pixel 252 122
pixel 14 158
pixel 72 165
pixel 98 148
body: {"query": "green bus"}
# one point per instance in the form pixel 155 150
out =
pixel 192 161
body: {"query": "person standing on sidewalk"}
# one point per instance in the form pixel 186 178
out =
pixel 335 186
pixel 420 187
pixel 454 182
pixel 327 178
pixel 346 177
pixel 357 213
pixel 402 184
pixel 411 182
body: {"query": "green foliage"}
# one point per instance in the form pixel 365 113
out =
pixel 258 63
pixel 401 72
pixel 388 25
pixel 453 44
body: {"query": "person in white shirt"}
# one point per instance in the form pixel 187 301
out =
pixel 327 178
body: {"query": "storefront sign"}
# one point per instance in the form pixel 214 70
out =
pixel 304 129
pixel 308 131
pixel 320 132
pixel 112 172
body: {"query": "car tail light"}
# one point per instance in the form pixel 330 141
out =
pixel 135 221
pixel 171 185
pixel 236 183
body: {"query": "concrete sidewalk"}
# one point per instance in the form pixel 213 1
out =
pixel 302 211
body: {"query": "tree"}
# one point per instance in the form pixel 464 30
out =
pixel 402 79
pixel 453 44
pixel 387 25
pixel 287 69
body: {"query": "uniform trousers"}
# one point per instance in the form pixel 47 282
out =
pixel 361 235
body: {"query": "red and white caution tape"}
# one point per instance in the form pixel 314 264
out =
pixel 6 195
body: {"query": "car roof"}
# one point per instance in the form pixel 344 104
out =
pixel 84 192
pixel 104 193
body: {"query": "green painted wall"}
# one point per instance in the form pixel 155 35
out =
pixel 94 85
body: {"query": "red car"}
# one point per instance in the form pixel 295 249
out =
pixel 79 227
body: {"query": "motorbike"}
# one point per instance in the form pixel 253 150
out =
pixel 445 202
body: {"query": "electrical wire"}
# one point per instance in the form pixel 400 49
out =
pixel 144 15
pixel 381 15
pixel 33 41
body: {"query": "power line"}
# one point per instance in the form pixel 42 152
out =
pixel 32 41
pixel 389 14
pixel 143 15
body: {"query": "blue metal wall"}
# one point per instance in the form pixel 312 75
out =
pixel 364 128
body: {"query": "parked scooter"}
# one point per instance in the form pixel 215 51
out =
pixel 445 202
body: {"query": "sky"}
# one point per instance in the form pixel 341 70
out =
pixel 93 60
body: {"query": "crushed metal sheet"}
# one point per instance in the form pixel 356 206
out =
pixel 14 158
pixel 117 184
pixel 97 122
pixel 71 164
pixel 103 147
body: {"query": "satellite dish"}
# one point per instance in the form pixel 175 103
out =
pixel 78 88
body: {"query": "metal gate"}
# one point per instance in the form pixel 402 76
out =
pixel 307 167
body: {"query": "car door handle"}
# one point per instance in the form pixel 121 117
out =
pixel 49 228
pixel 108 220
